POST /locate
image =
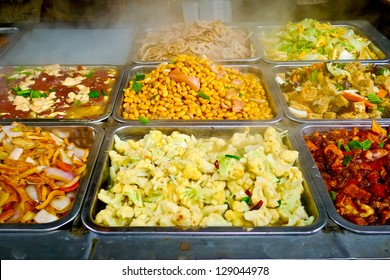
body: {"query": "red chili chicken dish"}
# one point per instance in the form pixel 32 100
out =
pixel 355 167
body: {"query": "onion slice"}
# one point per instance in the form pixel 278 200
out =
pixel 43 217
pixel 16 153
pixel 58 174
pixel 60 202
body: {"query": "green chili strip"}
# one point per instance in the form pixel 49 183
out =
pixel 232 156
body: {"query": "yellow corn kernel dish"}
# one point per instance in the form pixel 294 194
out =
pixel 191 88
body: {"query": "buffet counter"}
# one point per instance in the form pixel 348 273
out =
pixel 40 44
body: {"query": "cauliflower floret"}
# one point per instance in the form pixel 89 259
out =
pixel 182 217
pixel 107 217
pixel 220 209
pixel 125 212
pixel 268 184
pixel 256 161
pixel 237 219
pixel 191 172
pixel 120 145
pixel 261 217
pixel 140 221
pixel 289 156
pixel 118 160
pixel 293 179
pixel 114 199
pixel 214 220
pixel 273 142
pixel 240 206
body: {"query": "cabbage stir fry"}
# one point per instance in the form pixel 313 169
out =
pixel 313 40
pixel 179 180
pixel 40 173
pixel 337 90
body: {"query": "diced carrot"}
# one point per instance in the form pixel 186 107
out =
pixel 381 93
pixel 357 98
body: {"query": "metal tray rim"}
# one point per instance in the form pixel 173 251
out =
pixel 84 183
pixel 319 183
pixel 87 220
pixel 271 97
pixel 258 54
pixel 369 31
pixel 110 104
pixel 283 103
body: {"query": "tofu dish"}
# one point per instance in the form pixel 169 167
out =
pixel 337 90
pixel 55 91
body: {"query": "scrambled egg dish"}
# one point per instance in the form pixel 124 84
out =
pixel 179 180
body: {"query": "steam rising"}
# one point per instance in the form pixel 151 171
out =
pixel 102 33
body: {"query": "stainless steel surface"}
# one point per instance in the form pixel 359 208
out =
pixel 42 44
pixel 96 119
pixel 285 67
pixel 380 45
pixel 257 70
pixel 319 183
pixel 11 35
pixel 85 136
pixel 92 206
pixel 247 27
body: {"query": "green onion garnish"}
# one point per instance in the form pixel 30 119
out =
pixel 203 95
pixel 94 94
pixel 373 98
pixel 144 120
pixel 333 195
pixel 139 77
pixel 347 160
pixel 136 86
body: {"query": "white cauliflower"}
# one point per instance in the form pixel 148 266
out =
pixel 114 199
pixel 178 180
pixel 214 220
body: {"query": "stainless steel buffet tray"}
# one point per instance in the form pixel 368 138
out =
pixel 253 42
pixel 305 129
pixel 10 73
pixel 100 180
pixel 259 71
pixel 380 45
pixel 285 67
pixel 85 136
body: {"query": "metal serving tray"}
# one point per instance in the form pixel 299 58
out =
pixel 109 106
pixel 257 55
pixel 285 67
pixel 144 69
pixel 310 199
pixel 305 129
pixel 8 36
pixel 380 45
pixel 85 136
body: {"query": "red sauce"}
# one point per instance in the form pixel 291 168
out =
pixel 355 166
pixel 93 104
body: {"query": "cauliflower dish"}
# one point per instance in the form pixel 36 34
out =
pixel 179 180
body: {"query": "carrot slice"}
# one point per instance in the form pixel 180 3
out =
pixel 357 98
